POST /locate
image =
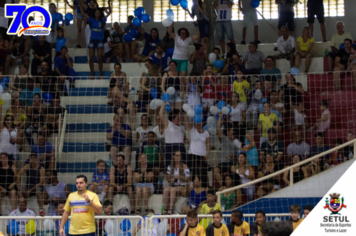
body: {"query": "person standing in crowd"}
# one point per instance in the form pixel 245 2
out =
pixel 51 38
pixel 223 22
pixel 172 79
pixel 151 41
pixel 286 15
pixel 117 42
pixel 80 20
pixel 61 38
pixel 198 59
pixel 199 10
pixel 45 151
pixel 250 14
pixel 316 8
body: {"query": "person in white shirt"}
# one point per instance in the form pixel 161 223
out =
pixel 336 40
pixel 22 210
pixel 181 44
pixel 286 46
pixel 142 131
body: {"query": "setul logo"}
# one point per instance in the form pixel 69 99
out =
pixel 335 204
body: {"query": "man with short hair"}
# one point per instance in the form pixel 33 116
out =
pixel 160 58
pixel 286 46
pixel 348 151
pixel 42 52
pixel 323 162
pixel 26 97
pixel 81 205
pixel 22 210
pixel 272 145
pixel 271 70
pixel 316 8
pixel 45 151
pixel 55 191
pixel 151 148
pixel 233 65
pixel 47 79
pixel 63 65
pixel 336 40
pixel 341 63
pixel 299 147
pixel 254 59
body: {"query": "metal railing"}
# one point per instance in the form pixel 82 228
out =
pixel 63 132
pixel 290 169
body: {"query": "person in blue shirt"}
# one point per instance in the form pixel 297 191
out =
pixel 60 38
pixel 101 180
pixel 51 38
pixel 45 151
pixel 270 69
pixel 26 97
pixel 96 38
pixel 131 47
pixel 80 19
pixel 151 41
pixel 232 66
pixel 63 65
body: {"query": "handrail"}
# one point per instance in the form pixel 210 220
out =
pixel 290 169
pixel 63 133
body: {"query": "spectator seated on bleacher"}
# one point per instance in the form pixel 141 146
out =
pixel 223 90
pixel 42 52
pixel 121 179
pixel 18 113
pixel 254 59
pixel 178 176
pixel 341 63
pixel 337 156
pixel 269 167
pixel 35 175
pixel 107 211
pixel 228 150
pixel 254 97
pixel 349 150
pixel 151 41
pixel 271 70
pixel 131 47
pixel 299 147
pixel 36 118
pixel 299 173
pixel 59 207
pixel 144 188
pixel 323 123
pixel 47 79
pixel 27 94
pixel 63 65
pixel 161 58
pixel 45 151
pixel 143 129
pixel 8 180
pixel 300 117
pixel 100 181
pixel 230 200
pixel 233 66
pixel 286 46
pixel 266 121
pixel 118 79
pixel 120 136
pixel 53 111
pixel 22 210
pixel 116 43
pixel 336 40
pixel 10 136
pixel 55 192
pixel 238 107
pixel 323 162
pixel 303 47
pixel 279 109
pixel 19 81
pixel 3 53
pixel 196 194
pixel 273 146
pixel 18 53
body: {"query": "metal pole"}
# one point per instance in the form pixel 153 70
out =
pixel 291 180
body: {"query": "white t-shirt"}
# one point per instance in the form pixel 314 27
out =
pixel 174 133
pixel 236 113
pixel 299 117
pixel 160 137
pixel 107 48
pixel 337 40
pixel 181 48
pixel 20 222
pixel 198 142
pixel 279 105
pixel 288 44
pixel 143 133
pixel 224 12
pixel 176 173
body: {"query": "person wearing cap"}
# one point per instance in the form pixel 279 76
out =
pixel 254 59
pixel 35 179
pixel 26 97
pixel 272 145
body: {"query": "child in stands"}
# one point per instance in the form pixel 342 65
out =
pixel 255 96
pixel 217 228
pixel 60 38
pixel 210 206
pixel 107 211
pixel 101 180
pixel 299 116
pixel 256 226
pixel 193 88
pixel 295 213
pixel 322 124
pixel 191 226
pixel 237 226
pixel 307 210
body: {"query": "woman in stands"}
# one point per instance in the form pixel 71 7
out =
pixel 178 176
pixel 172 79
pixel 8 174
pixel 181 44
pixel 142 131
pixel 98 21
pixel 304 45
pixel 269 185
pixel 168 40
pixel 198 59
pixel 118 77
pixel 19 81
pixel 232 199
pixel 174 134
pixel 151 40
pixel 197 195
pixel 36 117
pixel 238 110
pixel 144 188
pixel 299 173
pixel 246 173
pixel 159 131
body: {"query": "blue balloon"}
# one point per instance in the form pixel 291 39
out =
pixel 142 10
pixel 198 119
pixel 66 227
pixel 261 107
pixel 198 109
pixel 136 22
pixel 174 2
pixel 221 104
pixel 263 100
pixel 59 17
pixel 47 97
pixel 69 16
pixel 67 22
pixel 3 87
pixel 342 46
pixel 127 37
pixel 5 81
pixel 14 227
pixel 133 33
pixel 171 234
pixel 138 12
pixel 255 3
pixel 230 109
pixel 125 225
pixel 145 18
pixel 170 12
pixel 294 71
pixel 168 108
pixel 170 51
pixel 184 4
pixel 154 93
pixel 166 97
pixel 219 64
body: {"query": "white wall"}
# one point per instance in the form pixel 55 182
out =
pixel 266 34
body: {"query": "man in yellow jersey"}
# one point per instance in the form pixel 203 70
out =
pixel 81 205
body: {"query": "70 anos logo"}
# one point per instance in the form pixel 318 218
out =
pixel 21 14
